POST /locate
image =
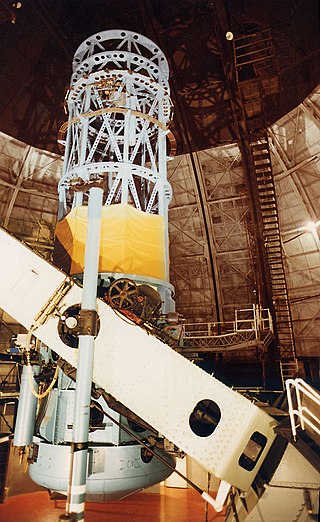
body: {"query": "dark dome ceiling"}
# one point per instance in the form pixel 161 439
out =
pixel 37 51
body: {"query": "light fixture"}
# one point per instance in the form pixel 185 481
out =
pixel 311 226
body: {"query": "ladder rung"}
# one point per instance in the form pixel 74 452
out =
pixel 265 208
pixel 259 145
pixel 264 179
pixel 269 218
pixel 264 183
pixel 272 229
pixel 268 204
pixel 267 215
pixel 275 262
pixel 261 161
pixel 259 156
pixel 268 196
pixel 259 140
pixel 261 153
pixel 261 170
pixel 266 192
pixel 264 175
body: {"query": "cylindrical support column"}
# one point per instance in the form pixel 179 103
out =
pixel 79 448
pixel 23 433
pixel 27 408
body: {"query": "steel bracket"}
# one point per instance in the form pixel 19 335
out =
pixel 88 323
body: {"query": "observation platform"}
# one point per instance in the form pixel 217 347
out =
pixel 251 328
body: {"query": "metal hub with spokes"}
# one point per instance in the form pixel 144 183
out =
pixel 123 293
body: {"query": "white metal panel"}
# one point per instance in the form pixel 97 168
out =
pixel 27 281
pixel 144 374
pixel 284 498
pixel 294 471
pixel 281 505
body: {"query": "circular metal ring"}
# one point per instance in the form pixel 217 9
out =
pixel 123 293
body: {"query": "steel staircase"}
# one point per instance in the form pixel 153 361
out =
pixel 253 54
pixel 271 237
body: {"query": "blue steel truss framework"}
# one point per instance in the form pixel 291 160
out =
pixel 119 109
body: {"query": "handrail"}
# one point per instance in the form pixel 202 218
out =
pixel 302 412
pixel 253 319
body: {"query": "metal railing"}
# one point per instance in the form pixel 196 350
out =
pixel 301 398
pixel 248 327
pixel 253 319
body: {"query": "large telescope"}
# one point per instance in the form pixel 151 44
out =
pixel 112 237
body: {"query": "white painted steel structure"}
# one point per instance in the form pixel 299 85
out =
pixel 146 375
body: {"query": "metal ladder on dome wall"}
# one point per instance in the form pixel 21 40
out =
pixel 250 56
pixel 273 248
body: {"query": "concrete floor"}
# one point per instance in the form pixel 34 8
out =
pixel 171 505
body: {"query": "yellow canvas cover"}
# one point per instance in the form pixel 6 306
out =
pixel 132 242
